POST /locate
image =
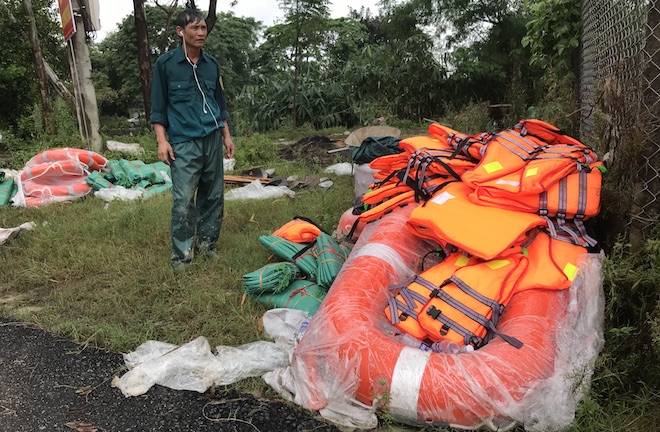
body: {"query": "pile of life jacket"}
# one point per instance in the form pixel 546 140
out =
pixel 507 210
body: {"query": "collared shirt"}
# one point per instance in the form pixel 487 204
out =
pixel 189 100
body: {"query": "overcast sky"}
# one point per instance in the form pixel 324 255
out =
pixel 113 12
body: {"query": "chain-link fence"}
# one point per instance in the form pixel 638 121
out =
pixel 620 98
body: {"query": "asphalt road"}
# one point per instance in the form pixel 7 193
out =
pixel 51 384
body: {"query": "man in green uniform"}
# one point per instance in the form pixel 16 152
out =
pixel 189 114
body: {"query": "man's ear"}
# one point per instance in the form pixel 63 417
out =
pixel 179 31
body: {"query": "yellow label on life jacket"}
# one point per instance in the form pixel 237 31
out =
pixel 462 261
pixel 492 167
pixel 570 271
pixel 497 264
pixel 531 172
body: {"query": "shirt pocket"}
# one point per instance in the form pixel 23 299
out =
pixel 209 88
pixel 179 91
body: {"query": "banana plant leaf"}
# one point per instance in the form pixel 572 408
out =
pixel 293 252
pixel 274 277
pixel 301 294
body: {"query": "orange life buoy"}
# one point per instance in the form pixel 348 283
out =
pixel 63 168
pixel 93 160
pixel 347 344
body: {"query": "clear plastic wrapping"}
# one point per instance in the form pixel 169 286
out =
pixel 352 359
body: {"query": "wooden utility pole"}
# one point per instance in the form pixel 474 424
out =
pixel 85 92
pixel 46 103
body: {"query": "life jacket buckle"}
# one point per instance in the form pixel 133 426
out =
pixel 433 312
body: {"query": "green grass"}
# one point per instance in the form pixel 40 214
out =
pixel 102 277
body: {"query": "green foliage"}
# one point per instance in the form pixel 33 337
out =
pixel 472 118
pixel 632 290
pixel 253 150
pixel 18 88
pixel 553 34
pixel 558 105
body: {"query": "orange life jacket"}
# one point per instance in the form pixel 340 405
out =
pixel 553 264
pixel 299 230
pixel 451 218
pixel 458 303
pixel 577 194
pixel 406 301
pixel 468 145
pixel 525 164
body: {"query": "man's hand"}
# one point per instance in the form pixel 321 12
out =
pixel 165 152
pixel 229 146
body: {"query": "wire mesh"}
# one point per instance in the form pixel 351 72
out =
pixel 620 77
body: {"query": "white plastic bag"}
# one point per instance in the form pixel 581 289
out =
pixel 256 190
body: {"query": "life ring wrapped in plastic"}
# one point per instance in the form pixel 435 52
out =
pixel 56 175
pixel 351 355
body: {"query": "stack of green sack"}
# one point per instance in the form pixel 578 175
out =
pixel 8 189
pixel 153 178
pixel 303 279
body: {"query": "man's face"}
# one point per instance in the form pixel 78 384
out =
pixel 195 33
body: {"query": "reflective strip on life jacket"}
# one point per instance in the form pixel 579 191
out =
pixel 450 217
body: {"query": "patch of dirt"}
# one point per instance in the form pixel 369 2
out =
pixel 315 149
pixel 51 384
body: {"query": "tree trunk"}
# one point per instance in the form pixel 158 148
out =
pixel 211 17
pixel 85 87
pixel 59 86
pixel 42 80
pixel 144 62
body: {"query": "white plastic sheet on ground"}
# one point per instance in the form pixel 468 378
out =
pixel 344 168
pixel 539 386
pixel 120 193
pixel 256 190
pixel 132 148
pixel 7 234
pixel 193 366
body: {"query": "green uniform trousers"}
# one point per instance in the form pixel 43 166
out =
pixel 198 196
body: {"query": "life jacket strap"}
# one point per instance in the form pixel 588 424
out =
pixel 489 324
pixel 469 338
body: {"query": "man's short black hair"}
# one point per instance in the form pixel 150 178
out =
pixel 188 16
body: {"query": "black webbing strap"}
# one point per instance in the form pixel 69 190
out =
pixel 303 250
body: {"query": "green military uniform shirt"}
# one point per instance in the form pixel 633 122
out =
pixel 189 106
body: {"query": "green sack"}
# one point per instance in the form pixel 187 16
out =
pixel 119 175
pixel 157 189
pixel 274 277
pixel 97 181
pixel 152 172
pixel 131 171
pixel 7 190
pixel 303 295
pixel 293 252
pixel 330 258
